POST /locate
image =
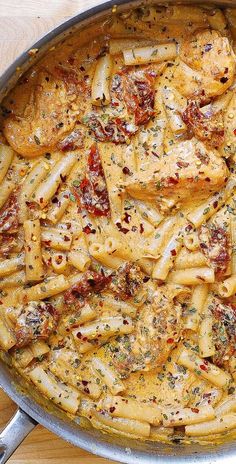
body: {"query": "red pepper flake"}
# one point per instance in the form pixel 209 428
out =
pixel 88 230
pixel 121 229
pixel 125 322
pixel 173 252
pixel 215 204
pixel 127 218
pixel 195 410
pixel 203 367
pixel 93 194
pixel 234 131
pixel 188 228
pixel 85 383
pixel 141 228
pixel 126 171
pixel 112 409
pixel 170 340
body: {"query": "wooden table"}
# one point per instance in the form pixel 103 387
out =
pixel 22 22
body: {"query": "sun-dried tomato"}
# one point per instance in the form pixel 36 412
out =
pixel 9 219
pixel 90 282
pixel 206 128
pixel 92 191
pixel 136 89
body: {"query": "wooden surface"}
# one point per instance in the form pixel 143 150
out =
pixel 22 22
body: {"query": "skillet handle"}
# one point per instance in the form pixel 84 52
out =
pixel 14 433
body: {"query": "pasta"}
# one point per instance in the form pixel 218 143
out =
pixel 156 54
pixel 101 81
pixel 33 253
pixel 117 224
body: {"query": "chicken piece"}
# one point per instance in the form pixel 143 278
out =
pixel 127 280
pixel 37 320
pixel 224 330
pixel 187 170
pixel 229 146
pixel 215 244
pixel 206 65
pixel 47 117
pixel 157 331
pixel 132 105
pixel 208 128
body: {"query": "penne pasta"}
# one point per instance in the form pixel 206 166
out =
pixel 56 210
pixel 6 157
pixel 218 425
pixel 206 342
pixel 155 54
pixel 66 397
pixel 192 276
pixel 204 212
pixel 8 266
pixel 46 289
pixel 7 187
pixel 203 368
pixel 117 46
pixel 133 428
pixel 119 406
pixel 101 81
pixel 15 279
pixel 57 239
pixel 50 184
pixel 104 327
pixel 7 339
pixel 186 260
pixel 33 179
pixel 196 306
pixel 107 375
pixel 228 287
pixel 33 253
pixel 187 416
pixel 98 251
pixel 59 263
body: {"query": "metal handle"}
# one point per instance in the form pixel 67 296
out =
pixel 14 433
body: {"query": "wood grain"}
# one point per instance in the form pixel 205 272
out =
pixel 22 22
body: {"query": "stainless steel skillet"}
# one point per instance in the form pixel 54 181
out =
pixel 32 408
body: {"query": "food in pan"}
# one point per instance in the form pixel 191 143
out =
pixel 118 224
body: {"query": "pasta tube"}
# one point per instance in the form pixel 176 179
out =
pixel 203 368
pixel 155 54
pixel 8 266
pixel 58 239
pixel 6 156
pixel 33 253
pixel 66 397
pixel 218 425
pixel 108 376
pixel 46 289
pixel 49 186
pixel 130 408
pixel 101 81
pixel 228 287
pixel 186 416
pixel 33 179
pixel 192 276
